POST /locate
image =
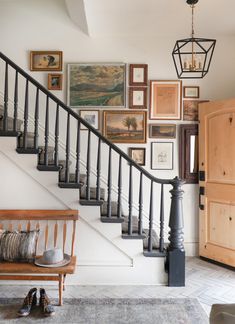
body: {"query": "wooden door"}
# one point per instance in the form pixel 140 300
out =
pixel 217 181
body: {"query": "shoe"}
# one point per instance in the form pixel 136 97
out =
pixel 45 304
pixel 29 302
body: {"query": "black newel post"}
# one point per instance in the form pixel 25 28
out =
pixel 175 263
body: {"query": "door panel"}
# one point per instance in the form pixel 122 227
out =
pixel 217 160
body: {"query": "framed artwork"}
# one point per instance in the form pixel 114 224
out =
pixel 138 74
pixel 54 81
pixel 137 154
pixel 165 99
pixel 191 92
pixel 162 130
pixel 162 156
pixel 96 85
pixel 138 97
pixel 125 126
pixel 46 60
pixel 190 109
pixel 92 117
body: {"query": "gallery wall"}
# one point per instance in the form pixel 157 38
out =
pixel 45 25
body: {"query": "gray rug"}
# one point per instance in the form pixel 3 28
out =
pixel 112 311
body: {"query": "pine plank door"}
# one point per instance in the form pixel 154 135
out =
pixel 217 181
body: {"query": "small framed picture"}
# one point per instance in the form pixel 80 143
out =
pixel 138 74
pixel 137 154
pixel 46 60
pixel 162 131
pixel 190 109
pixel 165 99
pixel 162 155
pixel 138 97
pixel 54 81
pixel 92 117
pixel 191 92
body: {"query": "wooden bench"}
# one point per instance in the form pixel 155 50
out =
pixel 57 229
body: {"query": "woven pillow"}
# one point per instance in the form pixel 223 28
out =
pixel 18 246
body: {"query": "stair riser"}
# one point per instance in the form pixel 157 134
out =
pixel 10 124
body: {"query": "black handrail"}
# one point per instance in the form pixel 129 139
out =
pixel 91 128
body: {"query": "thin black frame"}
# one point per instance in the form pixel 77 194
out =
pixel 172 153
pixel 137 148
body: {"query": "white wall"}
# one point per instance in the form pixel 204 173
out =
pixel 44 25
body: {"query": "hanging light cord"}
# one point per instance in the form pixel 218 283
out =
pixel 193 6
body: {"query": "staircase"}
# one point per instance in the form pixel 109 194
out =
pixel 85 160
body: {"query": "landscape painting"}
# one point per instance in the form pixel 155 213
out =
pixel 96 85
pixel 162 131
pixel 124 126
pixel 190 108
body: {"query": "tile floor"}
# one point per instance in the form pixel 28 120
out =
pixel 207 282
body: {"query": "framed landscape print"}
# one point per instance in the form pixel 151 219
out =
pixel 46 60
pixel 191 92
pixel 190 109
pixel 162 131
pixel 137 154
pixel 162 156
pixel 90 116
pixel 54 81
pixel 138 97
pixel 165 99
pixel 138 74
pixel 96 85
pixel 125 126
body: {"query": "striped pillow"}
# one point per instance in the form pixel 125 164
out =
pixel 18 246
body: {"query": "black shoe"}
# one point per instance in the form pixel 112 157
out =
pixel 45 304
pixel 29 302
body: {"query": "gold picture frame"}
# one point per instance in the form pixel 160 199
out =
pixel 54 81
pixel 46 60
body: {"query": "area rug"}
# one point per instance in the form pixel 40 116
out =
pixel 112 311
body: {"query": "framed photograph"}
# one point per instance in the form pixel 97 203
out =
pixel 190 109
pixel 54 81
pixel 138 74
pixel 137 154
pixel 96 85
pixel 125 126
pixel 191 92
pixel 92 117
pixel 162 131
pixel 162 155
pixel 165 99
pixel 138 97
pixel 46 60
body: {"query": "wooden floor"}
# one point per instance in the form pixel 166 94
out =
pixel 207 282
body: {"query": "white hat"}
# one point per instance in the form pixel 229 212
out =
pixel 53 258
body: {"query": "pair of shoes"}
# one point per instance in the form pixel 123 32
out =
pixel 30 302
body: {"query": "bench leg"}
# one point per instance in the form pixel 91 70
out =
pixel 64 282
pixel 60 290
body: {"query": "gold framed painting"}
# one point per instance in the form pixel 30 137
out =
pixel 54 81
pixel 165 99
pixel 46 60
pixel 125 126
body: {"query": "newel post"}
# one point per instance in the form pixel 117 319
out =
pixel 175 262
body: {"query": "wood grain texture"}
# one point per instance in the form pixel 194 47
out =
pixel 43 214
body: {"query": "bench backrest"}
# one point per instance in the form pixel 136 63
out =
pixel 57 227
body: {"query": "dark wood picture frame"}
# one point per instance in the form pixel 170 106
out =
pixel 131 151
pixel 132 104
pixel 46 60
pixel 185 131
pixel 57 85
pixel 138 79
pixel 164 131
pixel 196 96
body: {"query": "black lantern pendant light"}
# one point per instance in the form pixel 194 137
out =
pixel 192 56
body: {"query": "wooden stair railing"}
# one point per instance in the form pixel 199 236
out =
pixel 136 197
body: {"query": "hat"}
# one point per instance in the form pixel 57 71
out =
pixel 53 258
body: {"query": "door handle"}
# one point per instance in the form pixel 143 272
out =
pixel 201 193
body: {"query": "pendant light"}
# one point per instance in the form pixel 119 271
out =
pixel 192 56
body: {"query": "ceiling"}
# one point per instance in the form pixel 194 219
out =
pixel 158 18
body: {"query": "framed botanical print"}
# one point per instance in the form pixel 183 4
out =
pixel 138 97
pixel 162 131
pixel 138 74
pixel 165 99
pixel 54 81
pixel 137 154
pixel 90 116
pixel 162 155
pixel 191 92
pixel 46 60
pixel 96 85
pixel 125 126
pixel 190 109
